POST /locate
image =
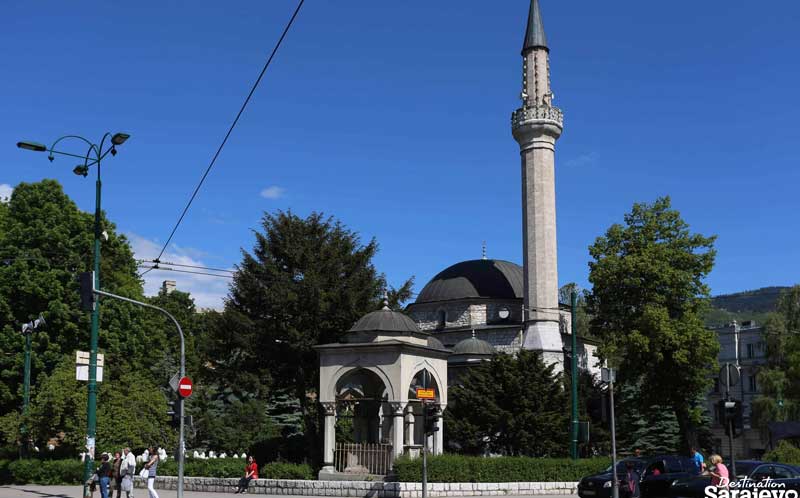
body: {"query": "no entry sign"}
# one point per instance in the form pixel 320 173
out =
pixel 185 387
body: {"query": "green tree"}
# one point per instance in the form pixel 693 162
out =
pixel 779 381
pixel 647 303
pixel 512 405
pixel 305 283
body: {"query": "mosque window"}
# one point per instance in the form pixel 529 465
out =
pixel 441 319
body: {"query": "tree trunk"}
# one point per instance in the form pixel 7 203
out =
pixel 687 428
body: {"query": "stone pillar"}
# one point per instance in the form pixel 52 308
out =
pixel 397 427
pixel 410 428
pixel 329 409
pixel 438 436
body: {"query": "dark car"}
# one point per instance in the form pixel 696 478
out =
pixel 781 475
pixel 695 486
pixel 656 475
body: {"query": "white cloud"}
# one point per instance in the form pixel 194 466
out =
pixel 5 192
pixel 207 291
pixel 582 160
pixel 273 192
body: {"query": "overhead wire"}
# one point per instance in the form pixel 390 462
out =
pixel 197 267
pixel 157 267
pixel 230 130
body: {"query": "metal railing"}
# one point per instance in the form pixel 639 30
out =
pixel 360 458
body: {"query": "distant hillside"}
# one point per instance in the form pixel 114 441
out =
pixel 741 306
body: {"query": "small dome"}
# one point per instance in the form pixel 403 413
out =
pixel 473 346
pixel 435 343
pixel 385 320
pixel 478 278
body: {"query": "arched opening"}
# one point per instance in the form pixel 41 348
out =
pixel 363 424
pixel 423 379
pixel 441 319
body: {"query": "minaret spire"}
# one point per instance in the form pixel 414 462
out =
pixel 534 33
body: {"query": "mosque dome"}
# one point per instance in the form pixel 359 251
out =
pixel 473 346
pixel 478 278
pixel 385 320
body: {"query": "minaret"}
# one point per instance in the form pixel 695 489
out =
pixel 536 126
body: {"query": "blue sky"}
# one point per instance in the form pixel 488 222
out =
pixel 395 118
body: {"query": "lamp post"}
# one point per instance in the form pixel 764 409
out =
pixel 93 156
pixel 27 330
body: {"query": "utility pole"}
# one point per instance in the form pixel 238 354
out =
pixel 609 375
pixel 92 157
pixel 573 448
pixel 27 331
pixel 181 438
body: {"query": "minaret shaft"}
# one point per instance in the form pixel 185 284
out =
pixel 536 126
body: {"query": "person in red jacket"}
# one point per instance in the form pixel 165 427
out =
pixel 250 473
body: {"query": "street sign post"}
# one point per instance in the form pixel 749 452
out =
pixel 185 387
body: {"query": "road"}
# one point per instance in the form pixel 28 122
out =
pixel 33 491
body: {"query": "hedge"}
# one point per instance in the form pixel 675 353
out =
pixel 66 472
pixel 459 468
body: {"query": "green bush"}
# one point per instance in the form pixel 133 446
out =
pixel 52 472
pixel 460 468
pixel 46 472
pixel 785 452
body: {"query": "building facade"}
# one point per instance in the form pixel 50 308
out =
pixel 741 344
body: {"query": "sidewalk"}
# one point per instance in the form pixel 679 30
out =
pixel 33 491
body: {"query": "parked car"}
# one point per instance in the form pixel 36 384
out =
pixel 656 473
pixel 783 476
pixel 695 486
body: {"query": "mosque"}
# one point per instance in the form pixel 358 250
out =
pixel 464 315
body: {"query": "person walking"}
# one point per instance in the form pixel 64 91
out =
pixel 720 477
pixel 699 463
pixel 116 475
pixel 128 472
pixel 250 473
pixel 104 475
pixel 151 467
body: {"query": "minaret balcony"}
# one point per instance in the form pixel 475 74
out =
pixel 539 114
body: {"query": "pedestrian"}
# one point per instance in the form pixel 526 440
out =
pixel 697 457
pixel 116 474
pixel 250 473
pixel 104 475
pixel 637 453
pixel 720 477
pixel 151 467
pixel 632 479
pixel 127 471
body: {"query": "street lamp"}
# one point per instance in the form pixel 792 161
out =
pixel 93 156
pixel 27 330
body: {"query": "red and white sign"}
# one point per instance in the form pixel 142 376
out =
pixel 185 387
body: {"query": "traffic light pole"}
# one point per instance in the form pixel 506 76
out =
pixel 573 447
pixel 424 449
pixel 615 478
pixel 181 439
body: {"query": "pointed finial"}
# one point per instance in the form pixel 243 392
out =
pixel 386 301
pixel 483 250
pixel 534 32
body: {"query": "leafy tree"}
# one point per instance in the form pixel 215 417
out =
pixel 583 318
pixel 305 283
pixel 780 381
pixel 647 303
pixel 511 405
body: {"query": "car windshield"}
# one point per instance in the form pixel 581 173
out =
pixel 622 467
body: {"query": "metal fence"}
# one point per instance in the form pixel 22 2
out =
pixel 359 458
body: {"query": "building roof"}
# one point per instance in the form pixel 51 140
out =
pixel 385 320
pixel 478 278
pixel 534 32
pixel 473 346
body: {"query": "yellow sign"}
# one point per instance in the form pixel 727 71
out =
pixel 426 393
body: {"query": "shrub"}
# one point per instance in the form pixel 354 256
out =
pixel 47 472
pixel 785 452
pixel 5 474
pixel 460 468
pixel 282 470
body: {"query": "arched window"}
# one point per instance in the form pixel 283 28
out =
pixel 441 319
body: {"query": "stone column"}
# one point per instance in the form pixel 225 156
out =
pixel 330 434
pixel 410 427
pixel 397 427
pixel 438 436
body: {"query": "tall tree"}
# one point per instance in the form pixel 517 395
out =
pixel 647 303
pixel 779 380
pixel 305 283
pixel 512 405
